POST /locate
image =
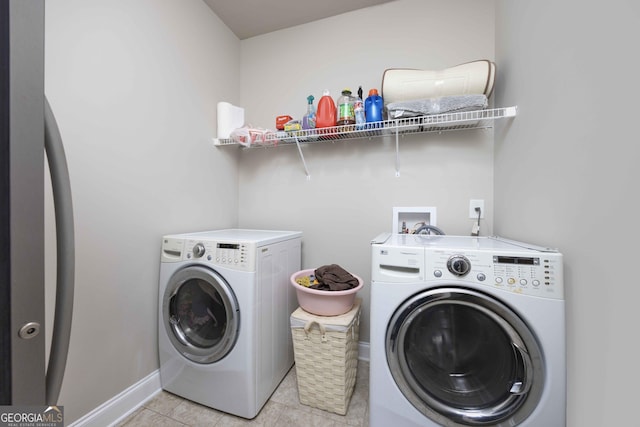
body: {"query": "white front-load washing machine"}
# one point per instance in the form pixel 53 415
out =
pixel 224 305
pixel 466 331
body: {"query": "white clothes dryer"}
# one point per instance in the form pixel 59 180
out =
pixel 466 331
pixel 224 305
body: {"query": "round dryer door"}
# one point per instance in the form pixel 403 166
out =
pixel 201 314
pixel 462 358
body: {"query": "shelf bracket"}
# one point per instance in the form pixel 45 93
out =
pixel 304 163
pixel 397 151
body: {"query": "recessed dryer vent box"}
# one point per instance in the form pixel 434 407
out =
pixel 412 218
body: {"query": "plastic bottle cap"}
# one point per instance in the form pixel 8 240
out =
pixel 373 92
pixel 310 99
pixel 326 92
pixel 346 91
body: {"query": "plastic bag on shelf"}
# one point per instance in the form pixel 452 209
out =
pixel 248 136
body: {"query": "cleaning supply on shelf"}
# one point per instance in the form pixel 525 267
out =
pixel 282 120
pixel 346 115
pixel 326 112
pixel 292 125
pixel 358 111
pixel 309 119
pixel 373 106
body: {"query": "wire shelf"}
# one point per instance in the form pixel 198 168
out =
pixel 423 124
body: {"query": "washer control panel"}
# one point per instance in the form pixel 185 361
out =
pixel 528 273
pixel 236 255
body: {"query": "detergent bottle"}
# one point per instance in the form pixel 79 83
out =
pixel 326 112
pixel 346 114
pixel 309 119
pixel 373 106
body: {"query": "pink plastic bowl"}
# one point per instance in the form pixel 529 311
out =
pixel 324 303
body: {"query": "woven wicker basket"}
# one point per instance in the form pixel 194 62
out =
pixel 326 356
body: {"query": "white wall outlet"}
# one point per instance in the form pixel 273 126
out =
pixel 473 204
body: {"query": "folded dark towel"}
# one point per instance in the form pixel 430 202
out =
pixel 332 277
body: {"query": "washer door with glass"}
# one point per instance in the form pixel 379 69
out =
pixel 201 314
pixel 463 358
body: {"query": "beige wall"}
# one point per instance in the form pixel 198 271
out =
pixel 566 175
pixel 134 86
pixel 353 188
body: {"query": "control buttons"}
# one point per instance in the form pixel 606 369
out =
pixel 437 273
pixel 230 258
pixel 514 280
pixel 459 265
pixel 481 277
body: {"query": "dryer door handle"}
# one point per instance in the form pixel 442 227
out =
pixel 523 386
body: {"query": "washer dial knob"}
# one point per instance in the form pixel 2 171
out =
pixel 198 250
pixel 459 265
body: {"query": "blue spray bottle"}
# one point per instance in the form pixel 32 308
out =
pixel 309 119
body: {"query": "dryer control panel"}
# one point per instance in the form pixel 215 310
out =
pixel 236 255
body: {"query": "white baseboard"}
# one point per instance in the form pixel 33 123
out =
pixel 120 406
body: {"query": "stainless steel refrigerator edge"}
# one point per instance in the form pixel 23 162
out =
pixel 27 129
pixel 22 236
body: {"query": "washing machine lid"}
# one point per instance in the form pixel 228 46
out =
pixel 200 314
pixel 257 237
pixel 490 243
pixel 463 358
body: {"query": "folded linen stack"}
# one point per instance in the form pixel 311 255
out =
pixel 440 105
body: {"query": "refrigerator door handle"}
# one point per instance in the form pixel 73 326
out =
pixel 65 255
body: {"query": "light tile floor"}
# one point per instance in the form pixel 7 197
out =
pixel 283 409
